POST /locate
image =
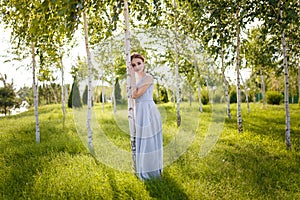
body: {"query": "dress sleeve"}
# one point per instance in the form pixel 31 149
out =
pixel 144 81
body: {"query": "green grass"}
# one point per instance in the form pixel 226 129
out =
pixel 251 165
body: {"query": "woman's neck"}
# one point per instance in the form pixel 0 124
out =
pixel 140 74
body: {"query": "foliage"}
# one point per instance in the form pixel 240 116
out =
pixel 218 96
pixel 274 97
pixel 100 98
pixel 204 97
pixel 25 94
pixel 8 98
pixel 259 50
pixel 233 96
pixel 49 93
pixel 164 95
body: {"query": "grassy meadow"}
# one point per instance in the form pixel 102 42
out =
pixel 251 165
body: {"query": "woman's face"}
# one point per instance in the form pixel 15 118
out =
pixel 137 64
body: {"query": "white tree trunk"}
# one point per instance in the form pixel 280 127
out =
pixel 176 72
pixel 53 93
pixel 298 82
pixel 191 94
pixel 35 95
pixel 239 111
pixel 114 93
pixel 246 92
pixel 225 84
pixel 157 92
pixel 102 93
pixel 131 116
pixel 263 87
pixel 199 96
pixel 63 107
pixel 198 83
pixel 111 62
pixel 89 59
pixel 286 85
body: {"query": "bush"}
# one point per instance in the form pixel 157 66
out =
pixel 100 98
pixel 204 97
pixel 74 97
pixel 85 96
pixel 273 97
pixel 118 95
pixel 164 95
pixel 232 96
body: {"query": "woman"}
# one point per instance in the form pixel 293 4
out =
pixel 148 122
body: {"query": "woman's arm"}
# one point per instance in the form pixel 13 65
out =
pixel 137 92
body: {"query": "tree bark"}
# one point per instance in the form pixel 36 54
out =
pixel 225 84
pixel 263 86
pixel 298 82
pixel 239 112
pixel 198 83
pixel 102 79
pixel 63 107
pixel 113 77
pixel 89 59
pixel 131 116
pixel 176 72
pixel 199 95
pixel 53 93
pixel 246 92
pixel 286 85
pixel 114 93
pixel 35 95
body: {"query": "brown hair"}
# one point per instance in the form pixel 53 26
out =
pixel 137 55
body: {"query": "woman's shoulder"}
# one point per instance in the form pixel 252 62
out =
pixel 149 77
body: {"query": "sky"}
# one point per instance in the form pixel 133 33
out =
pixel 14 71
pixel 20 73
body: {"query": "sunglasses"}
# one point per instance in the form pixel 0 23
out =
pixel 134 65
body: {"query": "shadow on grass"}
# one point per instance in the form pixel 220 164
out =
pixel 258 172
pixel 23 158
pixel 165 188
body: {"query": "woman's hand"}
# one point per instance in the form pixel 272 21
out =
pixel 131 71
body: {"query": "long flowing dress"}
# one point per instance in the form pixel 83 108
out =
pixel 149 144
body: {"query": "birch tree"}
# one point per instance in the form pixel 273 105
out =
pixel 246 92
pixel 176 69
pixel 281 16
pixel 258 51
pixel 197 74
pixel 131 117
pixel 27 37
pixel 238 62
pixel 90 89
pixel 215 29
pixel 35 94
pixel 62 26
pixel 101 17
pixel 286 79
pixel 298 76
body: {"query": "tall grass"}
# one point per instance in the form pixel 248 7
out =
pixel 251 165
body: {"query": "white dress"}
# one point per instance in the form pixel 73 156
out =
pixel 149 144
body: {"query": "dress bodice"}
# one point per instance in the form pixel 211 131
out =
pixel 148 95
